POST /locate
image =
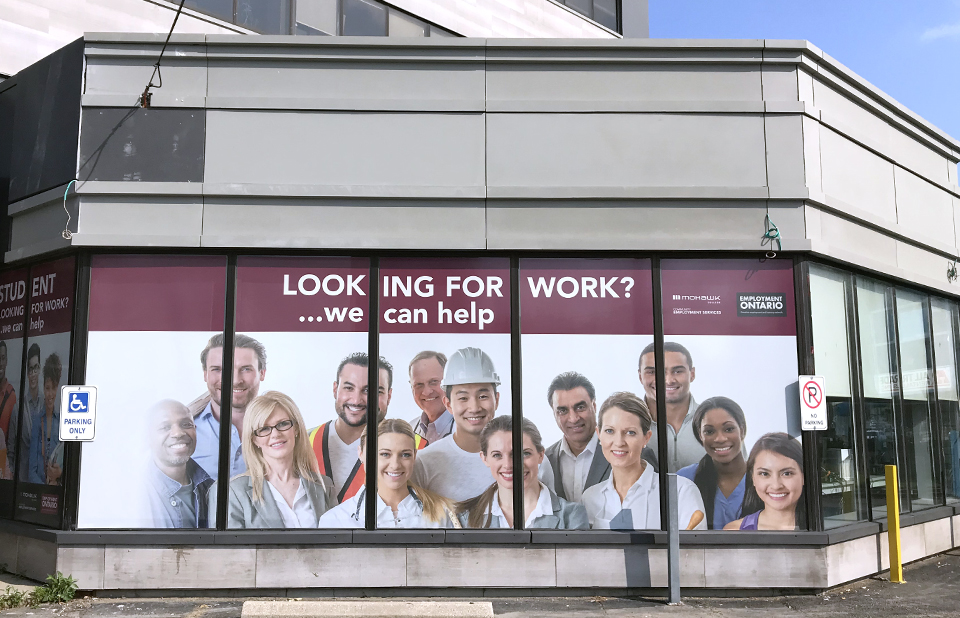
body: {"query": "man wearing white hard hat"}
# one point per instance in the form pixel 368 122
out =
pixel 452 466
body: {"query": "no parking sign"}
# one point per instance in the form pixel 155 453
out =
pixel 813 407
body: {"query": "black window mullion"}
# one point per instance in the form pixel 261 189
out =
pixel 659 369
pixel 806 364
pixel 856 392
pixel 516 376
pixel 893 343
pixel 373 397
pixel 225 462
pixel 933 403
pixel 78 374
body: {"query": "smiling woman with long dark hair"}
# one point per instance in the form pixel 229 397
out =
pixel 774 493
pixel 720 426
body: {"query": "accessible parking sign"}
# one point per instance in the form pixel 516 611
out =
pixel 78 413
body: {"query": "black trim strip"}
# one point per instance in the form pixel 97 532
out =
pixel 226 394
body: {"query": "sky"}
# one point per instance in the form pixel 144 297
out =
pixel 910 49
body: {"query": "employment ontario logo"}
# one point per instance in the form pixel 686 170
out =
pixel 762 305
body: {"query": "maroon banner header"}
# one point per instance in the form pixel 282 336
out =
pixel 157 293
pixel 466 295
pixel 728 297
pixel 51 297
pixel 13 303
pixel 580 296
pixel 296 294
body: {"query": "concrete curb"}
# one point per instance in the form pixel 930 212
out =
pixel 366 609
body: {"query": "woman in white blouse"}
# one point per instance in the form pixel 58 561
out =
pixel 400 503
pixel 282 487
pixel 630 498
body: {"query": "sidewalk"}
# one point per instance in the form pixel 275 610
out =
pixel 932 589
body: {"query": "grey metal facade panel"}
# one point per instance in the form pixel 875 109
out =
pixel 625 150
pixel 135 144
pixel 142 221
pixel 46 122
pixel 344 224
pixel 285 147
pixel 613 86
pixel 116 74
pixel 639 226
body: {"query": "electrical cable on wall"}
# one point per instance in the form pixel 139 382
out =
pixel 67 234
pixel 772 235
pixel 147 95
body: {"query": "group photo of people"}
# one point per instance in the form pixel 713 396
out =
pixel 444 448
pixel 31 423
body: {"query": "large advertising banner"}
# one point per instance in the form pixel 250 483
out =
pixel 445 330
pixel 300 388
pixel 583 323
pixel 730 357
pixel 154 352
pixel 39 450
pixel 13 309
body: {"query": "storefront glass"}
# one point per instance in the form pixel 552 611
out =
pixel 732 397
pixel 13 311
pixel 842 498
pixel 944 315
pixel 446 320
pixel 154 352
pixel 917 388
pixel 301 347
pixel 587 330
pixel 879 373
pixel 39 496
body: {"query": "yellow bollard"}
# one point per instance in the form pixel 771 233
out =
pixel 893 525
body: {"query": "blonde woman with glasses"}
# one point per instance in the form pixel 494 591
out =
pixel 282 487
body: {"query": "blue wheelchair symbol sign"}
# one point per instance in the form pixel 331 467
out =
pixel 79 402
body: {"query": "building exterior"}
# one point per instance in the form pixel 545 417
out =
pixel 32 29
pixel 595 207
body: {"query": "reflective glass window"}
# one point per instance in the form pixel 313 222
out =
pixel 917 389
pixel 841 483
pixel 945 348
pixel 363 18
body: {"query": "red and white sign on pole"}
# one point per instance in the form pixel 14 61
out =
pixel 813 405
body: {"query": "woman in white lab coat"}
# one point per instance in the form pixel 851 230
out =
pixel 400 503
pixel 493 508
pixel 630 498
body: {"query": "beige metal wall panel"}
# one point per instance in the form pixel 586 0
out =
pixel 602 567
pixel 179 567
pixel 811 154
pixel 116 74
pixel 153 221
pixel 787 567
pixel 780 83
pixel 335 567
pixel 616 87
pixel 481 567
pixel 853 239
pixel 345 149
pixel 857 176
pixel 866 127
pixel 84 564
pixel 785 155
pixel 955 522
pixel 625 150
pixel 734 225
pixel 343 224
pixel 923 208
pixel 346 78
pixel 852 560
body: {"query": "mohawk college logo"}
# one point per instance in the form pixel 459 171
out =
pixel 762 305
pixel 704 297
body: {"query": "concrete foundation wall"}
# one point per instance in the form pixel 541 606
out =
pixel 430 566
